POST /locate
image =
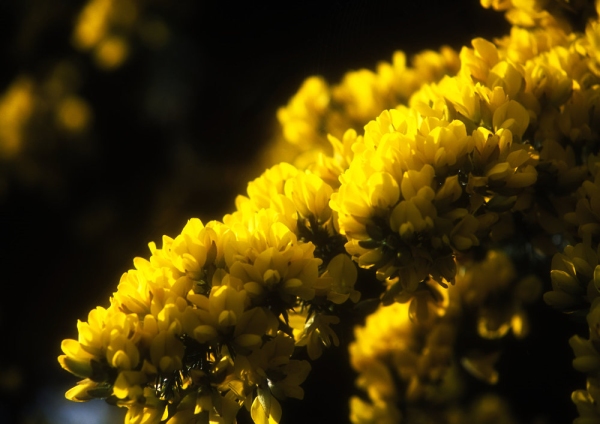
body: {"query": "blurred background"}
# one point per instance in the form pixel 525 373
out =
pixel 121 119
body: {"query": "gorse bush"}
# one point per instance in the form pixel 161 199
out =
pixel 408 192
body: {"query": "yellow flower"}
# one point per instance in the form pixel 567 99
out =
pixel 166 351
pixel 496 278
pixel 92 23
pixel 109 340
pixel 523 44
pixel 574 278
pixel 415 214
pixel 462 236
pixel 394 332
pixel 391 347
pixel 129 384
pixel 265 409
pixel 478 62
pixel 511 116
pixel 269 259
pixel 151 410
pixel 376 412
pixel 337 282
pixel 134 291
pixel 222 309
pixel 225 317
pixel 587 405
pixel 17 105
pixel 317 333
pixel 509 77
pixel 191 252
pixel 79 393
pixel 310 195
pixel 441 144
pixel 361 95
pixel 270 184
pixel 271 364
pixel 549 82
pixel 461 95
pixel 329 168
pixel 302 117
pixel 587 211
pixel 268 374
pixel 501 165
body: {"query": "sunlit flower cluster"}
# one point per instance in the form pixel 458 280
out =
pixel 320 110
pixel 426 183
pixel 203 327
pixel 469 167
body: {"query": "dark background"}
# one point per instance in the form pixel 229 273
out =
pixel 175 135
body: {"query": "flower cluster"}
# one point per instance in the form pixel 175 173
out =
pixel 575 278
pixel 408 358
pixel 203 327
pixel 319 109
pixel 469 164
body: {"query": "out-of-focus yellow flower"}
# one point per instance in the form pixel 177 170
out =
pixel 73 114
pixel 16 107
pixel 526 13
pixel 394 333
pixel 111 52
pixel 105 27
pixel 358 91
pixel 304 113
pixel 495 278
pixel 383 412
pixel 92 23
pixel 390 347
